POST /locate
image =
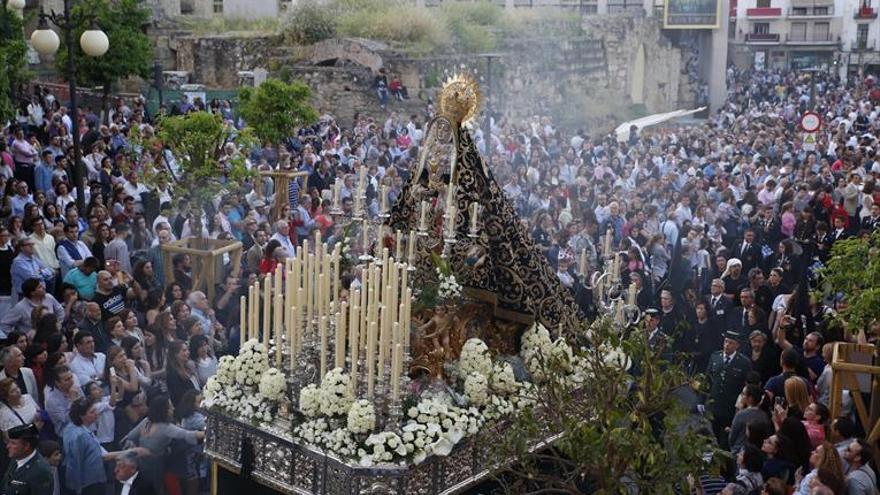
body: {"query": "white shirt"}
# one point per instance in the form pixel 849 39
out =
pixel 22 462
pixel 86 369
pixel 126 485
pixel 28 411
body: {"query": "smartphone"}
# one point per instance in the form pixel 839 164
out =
pixel 778 401
pixel 113 372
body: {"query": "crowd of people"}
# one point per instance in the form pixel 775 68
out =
pixel 719 226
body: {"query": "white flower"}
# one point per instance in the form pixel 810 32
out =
pixel 310 400
pixel 476 389
pixel 273 386
pixel 503 380
pixel 251 362
pixel 361 417
pixel 475 358
pixel 336 393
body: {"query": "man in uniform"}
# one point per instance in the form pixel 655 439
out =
pixel 28 472
pixel 726 374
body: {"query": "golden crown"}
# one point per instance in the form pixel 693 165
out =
pixel 460 99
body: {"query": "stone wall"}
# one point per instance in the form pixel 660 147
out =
pixel 215 61
pixel 622 66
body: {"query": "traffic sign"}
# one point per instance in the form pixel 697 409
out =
pixel 811 122
pixel 809 143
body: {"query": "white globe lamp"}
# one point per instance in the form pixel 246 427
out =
pixel 44 40
pixel 94 42
pixel 16 4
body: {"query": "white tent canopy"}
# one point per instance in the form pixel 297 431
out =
pixel 622 130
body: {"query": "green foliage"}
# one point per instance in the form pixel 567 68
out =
pixel 473 24
pixel 13 59
pixel 854 270
pixel 223 25
pixel 310 22
pixel 197 140
pixel 619 431
pixel 275 108
pixel 130 52
pixel 455 26
pixel 417 29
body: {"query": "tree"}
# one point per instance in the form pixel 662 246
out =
pixel 130 52
pixel 275 108
pixel 620 429
pixel 854 271
pixel 197 141
pixel 13 59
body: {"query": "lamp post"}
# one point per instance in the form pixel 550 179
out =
pixel 94 43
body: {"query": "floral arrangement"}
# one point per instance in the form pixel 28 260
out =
pixel 252 361
pixel 361 417
pixel 439 420
pixel 310 400
pixel 475 358
pixel 503 380
pixel 273 386
pixel 336 393
pixel 381 447
pixel 245 387
pixel 445 290
pixel 449 288
pixel 476 388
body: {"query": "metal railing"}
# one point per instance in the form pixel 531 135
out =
pixel 810 38
pixel 823 11
pixel 762 37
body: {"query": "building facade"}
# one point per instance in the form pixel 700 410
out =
pixel 838 35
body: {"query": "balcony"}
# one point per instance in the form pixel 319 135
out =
pixel 810 12
pixel 863 45
pixel 764 12
pixel 765 38
pixel 811 39
pixel 865 13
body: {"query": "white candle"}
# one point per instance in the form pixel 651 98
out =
pixel 279 306
pixel 362 178
pixel 411 247
pixel 583 265
pixel 337 194
pixel 267 305
pixel 371 364
pixel 423 217
pixel 398 247
pixel 395 366
pixel 450 223
pixel 383 199
pixel 339 361
pixel 308 290
pixel 323 329
pixel 608 237
pixel 474 216
pixel 366 237
pixel 450 194
pixel 242 317
pixel 354 340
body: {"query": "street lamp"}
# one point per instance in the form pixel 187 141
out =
pixel 16 5
pixel 94 43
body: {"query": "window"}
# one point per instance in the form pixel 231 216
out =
pixel 798 11
pixel 821 11
pixel 218 6
pixel 798 31
pixel 763 4
pixel 821 31
pixel 761 28
pixel 862 36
